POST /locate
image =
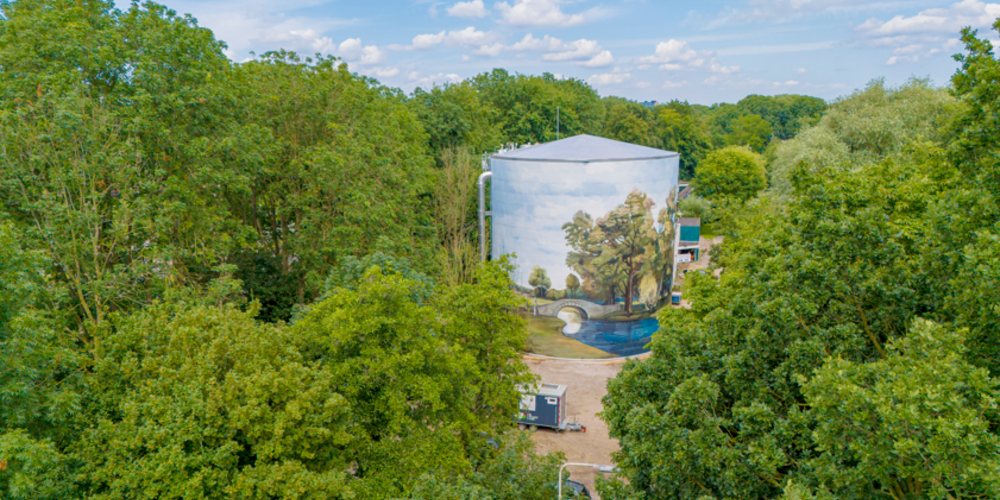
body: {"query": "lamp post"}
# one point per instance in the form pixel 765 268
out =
pixel 600 468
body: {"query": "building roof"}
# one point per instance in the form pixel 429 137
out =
pixel 689 221
pixel 585 148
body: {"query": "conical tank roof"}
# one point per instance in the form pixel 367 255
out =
pixel 585 148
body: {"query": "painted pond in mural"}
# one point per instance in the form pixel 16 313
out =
pixel 614 337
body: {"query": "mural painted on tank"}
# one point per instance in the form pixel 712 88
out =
pixel 623 257
pixel 621 265
pixel 593 246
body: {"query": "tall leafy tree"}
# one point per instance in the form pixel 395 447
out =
pixel 680 129
pixel 733 173
pixel 326 162
pixel 526 105
pixel 629 121
pixel 719 410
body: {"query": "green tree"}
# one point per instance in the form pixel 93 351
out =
pixel 206 402
pixel 526 105
pixel 455 210
pixel 786 113
pixel 481 317
pixel 511 471
pixel 422 379
pixel 101 126
pixel 751 131
pixel 455 116
pixel 539 279
pixel 629 121
pixel 679 129
pixel 41 378
pixel 328 162
pixel 834 271
pixel 696 206
pixel 731 173
pixel 916 424
pixel 867 126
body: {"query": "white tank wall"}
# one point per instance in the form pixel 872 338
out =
pixel 532 200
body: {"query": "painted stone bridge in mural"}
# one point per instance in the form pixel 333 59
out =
pixel 590 309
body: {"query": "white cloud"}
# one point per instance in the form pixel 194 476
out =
pixel 350 48
pixel 433 79
pixel 910 36
pixel 352 51
pixel 718 68
pixel 609 78
pixel 537 13
pixel 585 52
pixel 787 10
pixel 298 40
pixel 573 51
pixel 927 33
pixel 675 55
pixel 544 44
pixel 489 50
pixel 265 26
pixel 471 37
pixel 600 60
pixel 909 49
pixel 948 20
pixel 467 38
pixel 468 10
pixel 644 67
pixel 672 85
pixel 643 85
pixel 380 72
pixel 898 59
pixel 791 82
pixel 800 70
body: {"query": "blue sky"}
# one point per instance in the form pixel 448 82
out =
pixel 704 52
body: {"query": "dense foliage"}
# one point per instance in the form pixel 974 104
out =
pixel 848 349
pixel 164 213
pixel 496 107
pixel 259 280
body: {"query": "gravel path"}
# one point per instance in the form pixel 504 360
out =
pixel 586 382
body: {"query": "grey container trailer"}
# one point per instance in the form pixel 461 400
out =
pixel 545 406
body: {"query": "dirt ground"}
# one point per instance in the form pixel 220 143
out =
pixel 704 259
pixel 586 382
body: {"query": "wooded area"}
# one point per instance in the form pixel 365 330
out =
pixel 260 280
pixel 850 347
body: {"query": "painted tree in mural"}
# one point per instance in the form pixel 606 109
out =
pixel 615 252
pixel 539 279
pixel 572 285
pixel 600 277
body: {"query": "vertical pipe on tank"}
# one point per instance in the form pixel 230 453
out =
pixel 483 214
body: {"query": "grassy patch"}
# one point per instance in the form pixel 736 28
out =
pixel 709 231
pixel 545 337
pixel 621 317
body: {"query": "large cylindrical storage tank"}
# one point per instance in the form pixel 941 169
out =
pixel 590 223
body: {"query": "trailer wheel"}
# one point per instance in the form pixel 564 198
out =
pixel 521 427
pixel 533 428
